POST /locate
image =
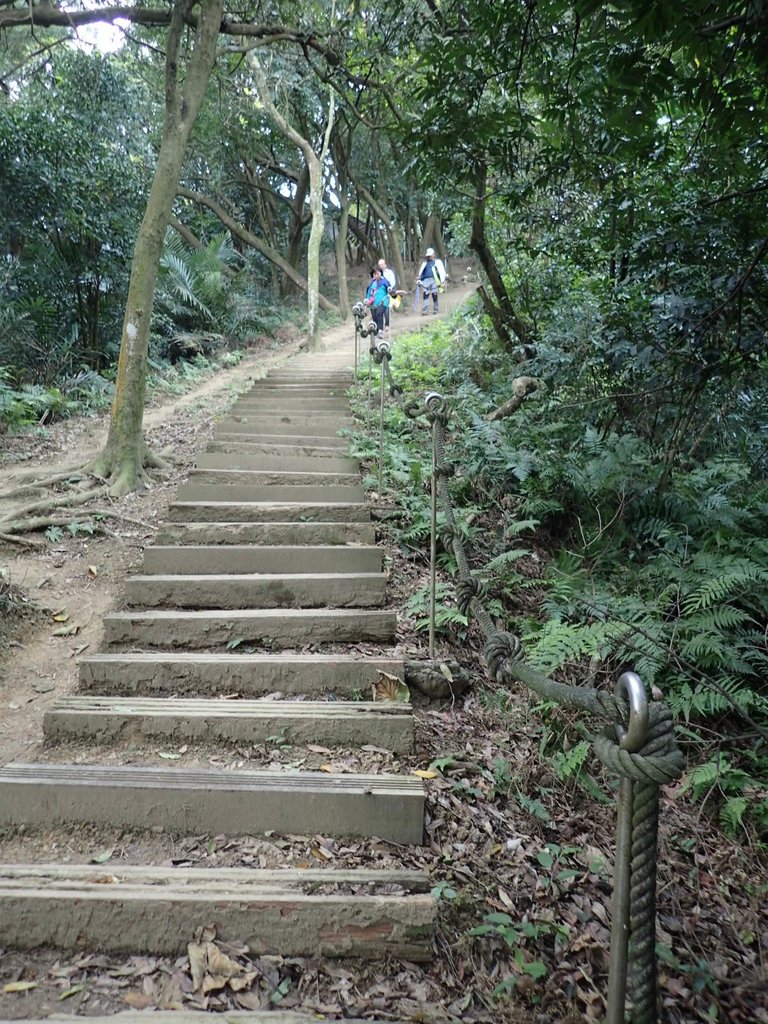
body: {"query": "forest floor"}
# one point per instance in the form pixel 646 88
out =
pixel 504 835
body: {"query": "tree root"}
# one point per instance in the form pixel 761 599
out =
pixel 108 477
pixel 64 500
pixel 41 482
pixel 23 541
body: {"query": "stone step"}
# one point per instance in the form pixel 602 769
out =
pixel 310 913
pixel 333 723
pixel 299 534
pixel 254 462
pixel 268 627
pixel 161 674
pixel 203 1017
pixel 272 493
pixel 257 590
pixel 316 374
pixel 284 404
pixel 311 427
pixel 274 445
pixel 227 511
pixel 271 478
pixel 226 428
pixel 301 373
pixel 296 389
pixel 203 800
pixel 241 559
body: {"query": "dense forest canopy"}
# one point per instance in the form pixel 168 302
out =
pixel 602 166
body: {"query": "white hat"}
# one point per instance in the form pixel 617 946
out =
pixel 430 252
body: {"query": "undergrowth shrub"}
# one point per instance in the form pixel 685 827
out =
pixel 650 558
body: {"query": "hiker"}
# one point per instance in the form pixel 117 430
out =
pixel 431 279
pixel 389 276
pixel 377 298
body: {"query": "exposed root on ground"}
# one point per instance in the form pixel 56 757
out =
pixel 40 483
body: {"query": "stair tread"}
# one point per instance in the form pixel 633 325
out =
pixel 228 708
pixel 290 781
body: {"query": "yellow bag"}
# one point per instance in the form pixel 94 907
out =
pixel 396 302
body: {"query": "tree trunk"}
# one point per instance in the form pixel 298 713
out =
pixel 383 216
pixel 314 163
pixel 296 229
pixel 501 311
pixel 341 253
pixel 126 455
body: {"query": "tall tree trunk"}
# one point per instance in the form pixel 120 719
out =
pixel 314 163
pixel 126 455
pixel 382 215
pixel 296 229
pixel 341 253
pixel 501 311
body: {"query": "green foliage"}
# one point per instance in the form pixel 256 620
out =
pixel 448 618
pixel 638 558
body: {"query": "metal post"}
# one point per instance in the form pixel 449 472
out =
pixel 381 419
pixel 433 400
pixel 358 312
pixel 433 549
pixel 630 688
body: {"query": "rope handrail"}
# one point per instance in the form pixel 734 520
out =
pixel 635 740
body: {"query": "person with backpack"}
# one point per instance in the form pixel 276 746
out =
pixel 431 279
pixel 377 298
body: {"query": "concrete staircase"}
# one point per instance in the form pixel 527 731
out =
pixel 268 546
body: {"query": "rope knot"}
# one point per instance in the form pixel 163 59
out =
pixel 659 760
pixel 447 533
pixel 499 648
pixel 467 589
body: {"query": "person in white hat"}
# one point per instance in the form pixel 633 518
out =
pixel 431 280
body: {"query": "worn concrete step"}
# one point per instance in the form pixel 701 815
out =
pixel 202 1017
pixel 272 493
pixel 244 444
pixel 240 559
pixel 296 389
pixel 258 590
pixel 242 429
pixel 276 434
pixel 270 405
pixel 272 478
pixel 317 374
pixel 268 627
pixel 209 801
pixel 215 511
pixel 298 534
pixel 302 372
pixel 298 412
pixel 334 723
pixel 288 912
pixel 163 674
pixel 295 463
pixel 310 427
